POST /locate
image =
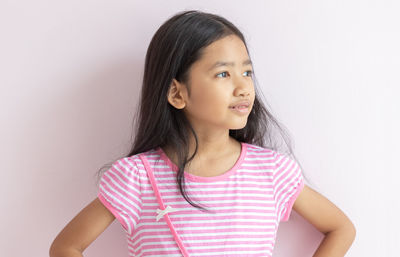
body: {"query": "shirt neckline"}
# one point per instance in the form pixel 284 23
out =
pixel 196 178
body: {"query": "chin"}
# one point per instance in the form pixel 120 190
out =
pixel 239 127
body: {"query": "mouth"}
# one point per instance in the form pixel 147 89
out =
pixel 244 105
pixel 242 109
pixel 239 107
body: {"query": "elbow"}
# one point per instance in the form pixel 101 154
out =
pixel 348 234
pixel 353 230
pixel 59 250
pixel 350 228
pixel 55 250
pixel 347 231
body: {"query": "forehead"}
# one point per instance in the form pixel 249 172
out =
pixel 228 49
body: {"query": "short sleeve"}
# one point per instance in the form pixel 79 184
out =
pixel 288 183
pixel 120 192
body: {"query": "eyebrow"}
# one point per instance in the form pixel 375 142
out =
pixel 222 63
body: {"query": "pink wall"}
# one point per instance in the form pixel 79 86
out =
pixel 71 72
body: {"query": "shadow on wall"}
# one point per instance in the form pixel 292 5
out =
pixel 85 124
pixel 297 234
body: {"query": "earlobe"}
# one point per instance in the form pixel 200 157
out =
pixel 174 96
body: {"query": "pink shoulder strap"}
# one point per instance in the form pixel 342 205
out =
pixel 164 210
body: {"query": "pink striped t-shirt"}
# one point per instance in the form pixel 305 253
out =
pixel 248 202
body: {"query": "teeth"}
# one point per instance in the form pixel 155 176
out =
pixel 239 107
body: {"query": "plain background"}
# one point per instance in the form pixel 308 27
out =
pixel 70 76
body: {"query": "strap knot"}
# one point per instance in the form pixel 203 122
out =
pixel 165 211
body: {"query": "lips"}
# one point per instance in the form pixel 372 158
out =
pixel 242 104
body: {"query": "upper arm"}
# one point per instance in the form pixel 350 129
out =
pixel 320 212
pixel 84 228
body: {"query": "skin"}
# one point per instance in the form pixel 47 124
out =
pixel 212 92
pixel 82 230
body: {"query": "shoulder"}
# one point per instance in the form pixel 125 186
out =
pixel 129 166
pixel 126 164
pixel 267 150
pixel 262 157
pixel 272 156
pixel 256 149
pixel 138 161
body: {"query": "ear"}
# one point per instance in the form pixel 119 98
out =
pixel 176 94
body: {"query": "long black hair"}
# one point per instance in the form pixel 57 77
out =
pixel 177 44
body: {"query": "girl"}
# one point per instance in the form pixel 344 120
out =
pixel 200 179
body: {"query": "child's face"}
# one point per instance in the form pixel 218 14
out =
pixel 213 90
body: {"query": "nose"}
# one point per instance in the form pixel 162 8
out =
pixel 243 86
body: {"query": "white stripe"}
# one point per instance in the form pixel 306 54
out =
pixel 125 192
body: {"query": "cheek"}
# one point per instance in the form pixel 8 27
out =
pixel 210 102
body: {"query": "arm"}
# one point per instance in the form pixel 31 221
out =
pixel 82 230
pixel 327 218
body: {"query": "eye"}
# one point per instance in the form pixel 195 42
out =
pixel 250 72
pixel 221 73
